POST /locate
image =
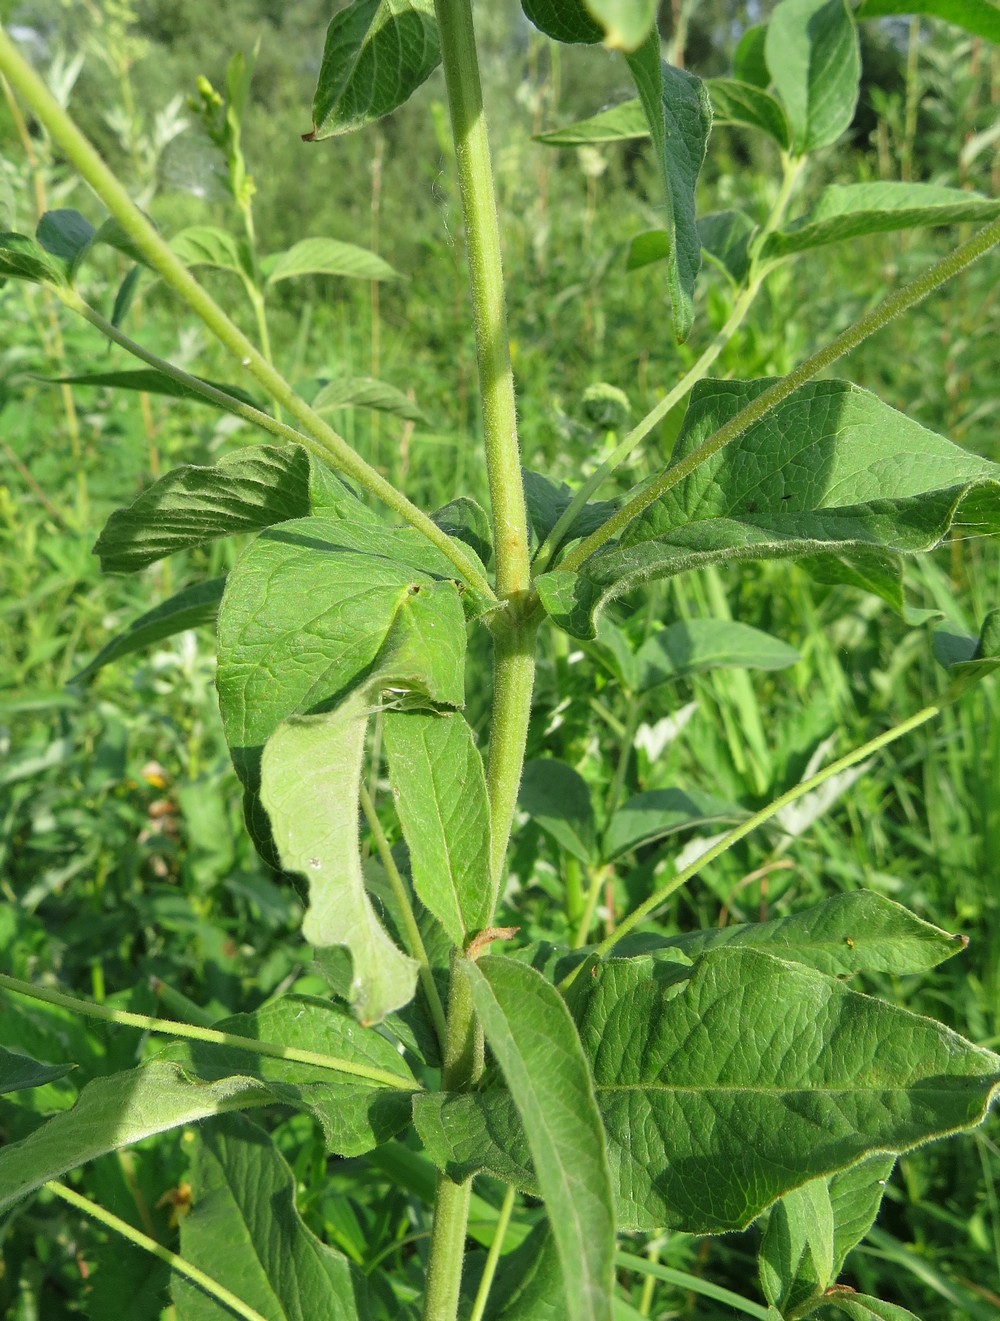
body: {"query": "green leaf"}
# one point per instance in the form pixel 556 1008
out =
pixel 547 501
pixel 626 23
pixel 244 1231
pixel 980 17
pixel 847 934
pixel 319 256
pixel 557 797
pixel 67 236
pixel 657 813
pixel 310 781
pixel 724 237
pixel 18 1071
pixel 679 114
pixel 831 469
pixel 377 53
pixel 149 381
pixel 850 210
pixel 621 123
pixel 127 1283
pixel 530 1032
pixel 468 522
pixel 439 789
pixel 192 607
pixel 796 1254
pixel 569 21
pixel 253 488
pixel 207 245
pixel 814 60
pixel 859 1307
pixel 21 258
pixel 366 392
pixel 966 659
pixel 694 646
pixel 529 1281
pixel 749 61
pixel 856 1196
pixel 735 102
pixel 113 1112
pixel 356 1115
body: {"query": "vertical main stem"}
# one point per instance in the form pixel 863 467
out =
pixel 482 237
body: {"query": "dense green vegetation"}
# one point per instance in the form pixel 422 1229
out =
pixel 126 874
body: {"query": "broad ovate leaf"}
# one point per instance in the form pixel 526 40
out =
pixel 377 53
pixel 531 1034
pixel 693 646
pixel 191 607
pixel 116 1111
pixel 19 1071
pixel 656 813
pixel 569 21
pixel 21 258
pixel 207 245
pixel 321 256
pixel 796 1255
pixel 980 17
pixel 366 392
pixel 244 1231
pixel 67 235
pixel 846 211
pixel 679 115
pixel 439 788
pixel 557 797
pixel 735 102
pixel 622 123
pixel 191 505
pixel 815 64
pixel 831 469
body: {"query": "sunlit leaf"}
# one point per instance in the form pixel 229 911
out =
pixel 814 61
pixel 980 17
pixel 319 256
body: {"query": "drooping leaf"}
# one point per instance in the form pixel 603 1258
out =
pixel 846 211
pixel 113 1112
pixel 569 21
pixel 693 646
pixel 320 256
pixel 356 1115
pixel 21 258
pixel 859 1307
pixel 831 469
pixel 191 607
pixel 377 53
pixel 735 102
pixel 725 1086
pixel 679 114
pixel 557 797
pixel 366 392
pixel 208 245
pixel 626 23
pixel 19 1071
pixel 814 60
pixel 439 789
pixel 149 381
pixel 310 779
pixel 125 297
pixel 468 522
pixel 547 501
pixel 966 659
pixel 657 813
pixel 980 17
pixel 245 1232
pixel 621 123
pixel 253 488
pixel 530 1032
pixel 67 235
pixel 846 934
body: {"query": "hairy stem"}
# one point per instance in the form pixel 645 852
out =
pixel 888 309
pixel 160 257
pixel 513 678
pixel 176 1263
pixel 194 1033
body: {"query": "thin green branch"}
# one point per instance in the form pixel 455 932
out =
pixel 160 257
pixel 482 237
pixel 628 1261
pixel 892 306
pixel 272 1049
pixel 746 827
pixel 414 939
pixel 176 1263
pixel 493 1256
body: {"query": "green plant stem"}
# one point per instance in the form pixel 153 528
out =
pixel 689 1283
pixel 462 1067
pixel 192 1032
pixel 332 447
pixel 596 877
pixel 513 679
pixel 887 310
pixel 447 545
pixel 792 170
pixel 176 1263
pixel 482 237
pixel 733 836
pixel 493 1256
pixel 414 939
